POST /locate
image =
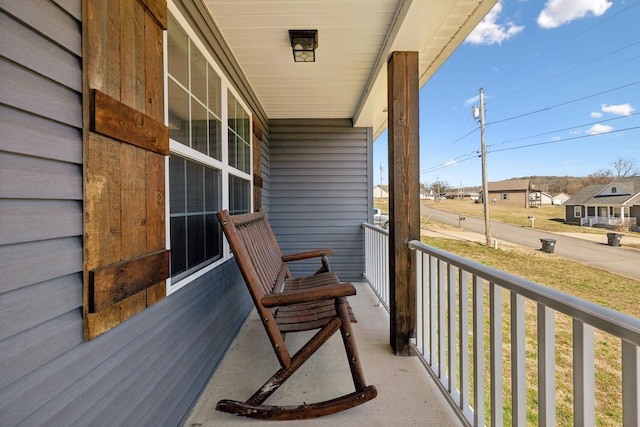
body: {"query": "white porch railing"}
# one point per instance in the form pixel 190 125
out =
pixel 376 262
pixel 592 220
pixel 493 380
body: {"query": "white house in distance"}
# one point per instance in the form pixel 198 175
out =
pixel 381 192
pixel 559 199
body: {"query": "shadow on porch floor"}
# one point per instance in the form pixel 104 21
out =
pixel 407 395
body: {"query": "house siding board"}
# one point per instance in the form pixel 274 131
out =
pixel 23 133
pixel 33 220
pixel 148 370
pixel 26 91
pixel 320 190
pixel 22 46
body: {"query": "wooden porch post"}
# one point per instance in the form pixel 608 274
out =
pixel 404 200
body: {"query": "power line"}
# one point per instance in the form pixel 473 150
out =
pixel 563 140
pixel 471 156
pixel 563 103
pixel 584 64
pixel 563 129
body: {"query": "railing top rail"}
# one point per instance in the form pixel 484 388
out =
pixel 375 227
pixel 608 320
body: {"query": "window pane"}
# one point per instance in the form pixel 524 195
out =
pixel 239 196
pixel 215 93
pixel 178 245
pixel 215 137
pixel 232 148
pixel 213 196
pixel 195 187
pixel 198 75
pixel 177 184
pixel 177 53
pixel 213 236
pixel 198 127
pixel 231 110
pixel 195 245
pixel 178 113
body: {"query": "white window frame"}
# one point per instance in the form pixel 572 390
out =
pixel 194 155
pixel 577 211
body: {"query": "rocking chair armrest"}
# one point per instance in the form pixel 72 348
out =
pixel 306 255
pixel 298 296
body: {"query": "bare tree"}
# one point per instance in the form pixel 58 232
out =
pixel 625 167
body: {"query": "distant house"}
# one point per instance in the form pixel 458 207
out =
pixel 514 192
pixel 559 199
pixel 427 194
pixel 616 203
pixel 537 199
pixel 381 192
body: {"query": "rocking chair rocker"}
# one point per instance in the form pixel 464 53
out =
pixel 287 304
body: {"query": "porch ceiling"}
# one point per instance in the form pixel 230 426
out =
pixel 355 38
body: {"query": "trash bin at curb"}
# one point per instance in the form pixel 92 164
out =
pixel 613 239
pixel 548 245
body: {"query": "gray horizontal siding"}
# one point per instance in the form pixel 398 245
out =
pixel 319 190
pixel 149 370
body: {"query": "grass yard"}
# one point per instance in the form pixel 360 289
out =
pixel 610 290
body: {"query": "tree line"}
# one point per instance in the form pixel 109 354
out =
pixel 620 168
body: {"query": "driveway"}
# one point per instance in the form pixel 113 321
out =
pixel 589 249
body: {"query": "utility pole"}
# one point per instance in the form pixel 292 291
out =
pixel 483 154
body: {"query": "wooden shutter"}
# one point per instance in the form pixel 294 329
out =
pixel 125 144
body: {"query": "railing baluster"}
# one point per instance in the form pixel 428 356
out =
pixel 419 260
pixel 584 409
pixel 630 384
pixel 478 351
pixel 518 356
pixel 463 303
pixel 433 301
pixel 495 344
pixel 546 367
pixel 442 374
pixel 451 329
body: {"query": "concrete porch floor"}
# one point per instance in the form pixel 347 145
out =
pixel 407 395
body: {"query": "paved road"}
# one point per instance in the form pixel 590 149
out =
pixel 620 260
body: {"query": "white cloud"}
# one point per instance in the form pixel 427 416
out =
pixel 450 163
pixel 622 109
pixel 488 31
pixel 469 102
pixel 598 129
pixel 556 138
pixel 596 114
pixel 560 12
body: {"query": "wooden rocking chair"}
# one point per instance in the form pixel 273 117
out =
pixel 286 304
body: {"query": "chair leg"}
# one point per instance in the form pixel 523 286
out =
pixel 350 345
pixel 296 362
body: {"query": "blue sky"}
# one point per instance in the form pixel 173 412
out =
pixel 561 81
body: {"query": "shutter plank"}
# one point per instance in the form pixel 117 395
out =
pixel 101 322
pixel 158 11
pixel 114 119
pixel 113 283
pixel 154 72
pixel 155 202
